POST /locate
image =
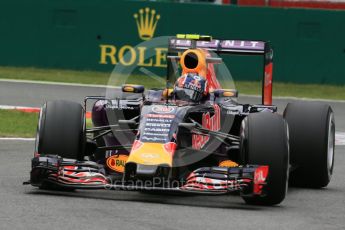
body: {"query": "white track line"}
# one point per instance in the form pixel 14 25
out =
pixel 10 107
pixel 340 138
pixel 293 98
pixel 28 109
pixel 58 83
pixel 16 139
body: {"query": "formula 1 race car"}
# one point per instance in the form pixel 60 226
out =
pixel 194 137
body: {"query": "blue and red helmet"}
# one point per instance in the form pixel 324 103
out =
pixel 190 87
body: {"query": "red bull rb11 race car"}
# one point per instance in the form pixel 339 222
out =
pixel 190 137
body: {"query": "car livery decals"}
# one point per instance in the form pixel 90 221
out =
pixel 117 162
pixel 162 109
pixel 208 122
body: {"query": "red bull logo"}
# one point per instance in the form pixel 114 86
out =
pixel 192 82
pixel 208 122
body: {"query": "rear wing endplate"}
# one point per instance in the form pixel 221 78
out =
pixel 239 47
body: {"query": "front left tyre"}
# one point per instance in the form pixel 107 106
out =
pixel 61 130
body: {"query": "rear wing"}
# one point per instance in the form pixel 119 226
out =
pixel 235 47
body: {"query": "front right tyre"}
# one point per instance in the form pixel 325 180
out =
pixel 264 141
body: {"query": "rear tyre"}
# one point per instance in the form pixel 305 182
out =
pixel 61 130
pixel 264 141
pixel 312 140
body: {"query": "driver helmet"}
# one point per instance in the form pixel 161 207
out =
pixel 190 87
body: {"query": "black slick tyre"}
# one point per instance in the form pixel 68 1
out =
pixel 61 130
pixel 312 141
pixel 264 141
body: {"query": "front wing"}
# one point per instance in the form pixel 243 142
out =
pixel 250 180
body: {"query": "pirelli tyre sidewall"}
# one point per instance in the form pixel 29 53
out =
pixel 265 141
pixel 61 130
pixel 312 141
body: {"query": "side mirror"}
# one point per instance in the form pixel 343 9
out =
pixel 187 125
pixel 225 93
pixel 127 122
pixel 214 60
pixel 129 88
pixel 167 93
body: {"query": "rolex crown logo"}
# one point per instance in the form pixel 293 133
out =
pixel 146 21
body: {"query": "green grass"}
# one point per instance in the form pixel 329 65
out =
pixel 57 75
pixel 102 78
pixel 72 76
pixel 295 90
pixel 17 124
pixel 88 123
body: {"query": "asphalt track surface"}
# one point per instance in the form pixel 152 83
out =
pixel 25 207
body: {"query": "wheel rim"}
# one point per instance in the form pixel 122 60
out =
pixel 37 141
pixel 330 146
pixel 288 146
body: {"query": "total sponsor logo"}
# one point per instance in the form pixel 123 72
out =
pixel 208 122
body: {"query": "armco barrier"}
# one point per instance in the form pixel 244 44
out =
pixel 94 35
